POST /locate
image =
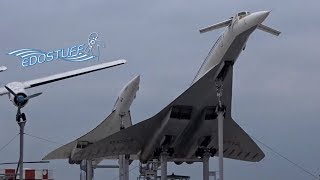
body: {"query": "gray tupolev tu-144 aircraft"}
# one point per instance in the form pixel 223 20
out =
pixel 120 118
pixel 187 128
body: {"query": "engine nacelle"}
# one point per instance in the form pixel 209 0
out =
pixel 78 147
pixel 18 88
pixel 71 161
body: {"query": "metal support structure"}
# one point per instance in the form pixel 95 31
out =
pixel 123 167
pixel 86 170
pixel 164 161
pixel 123 159
pixel 213 174
pixel 126 168
pixel 89 170
pixel 205 160
pixel 155 168
pixel 21 124
pixel 83 169
pixel 20 101
pixel 82 174
pixel 121 164
pixel 149 170
pixel 220 136
pixel 220 110
pixel 106 167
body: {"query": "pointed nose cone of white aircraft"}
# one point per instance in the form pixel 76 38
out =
pixel 136 80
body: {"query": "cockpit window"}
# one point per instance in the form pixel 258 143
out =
pixel 243 14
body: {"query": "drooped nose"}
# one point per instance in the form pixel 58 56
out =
pixel 135 83
pixel 137 79
pixel 256 18
pixel 262 15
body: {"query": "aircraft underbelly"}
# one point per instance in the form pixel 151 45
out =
pixel 237 45
pixel 193 140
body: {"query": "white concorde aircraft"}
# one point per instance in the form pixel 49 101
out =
pixel 120 118
pixel 188 125
pixel 20 98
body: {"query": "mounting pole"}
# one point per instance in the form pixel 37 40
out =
pixel 123 159
pixel 123 167
pixel 220 136
pixel 155 168
pixel 89 173
pixel 220 110
pixel 164 161
pixel 213 173
pixel 83 169
pixel 126 167
pixel 205 160
pixel 21 124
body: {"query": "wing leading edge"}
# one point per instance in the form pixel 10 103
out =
pixel 66 75
pixel 104 129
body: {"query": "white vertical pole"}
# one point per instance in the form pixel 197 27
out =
pixel 164 159
pixel 83 167
pixel 220 137
pixel 126 168
pixel 205 162
pixel 89 170
pixel 121 167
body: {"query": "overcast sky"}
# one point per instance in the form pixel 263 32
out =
pixel 276 79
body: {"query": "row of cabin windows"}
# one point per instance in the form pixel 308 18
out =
pixel 243 14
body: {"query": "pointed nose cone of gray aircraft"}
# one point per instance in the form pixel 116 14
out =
pixel 260 16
